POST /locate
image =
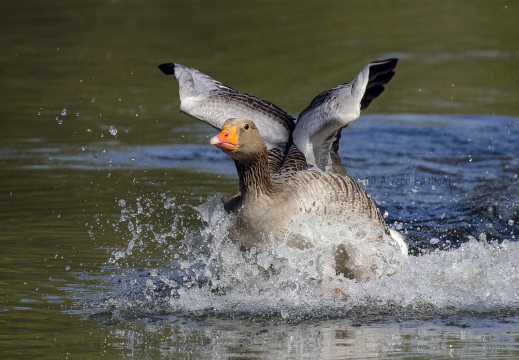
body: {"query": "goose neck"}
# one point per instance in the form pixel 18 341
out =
pixel 255 177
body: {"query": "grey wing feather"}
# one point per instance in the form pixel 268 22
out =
pixel 319 125
pixel 328 195
pixel 212 102
pixel 293 162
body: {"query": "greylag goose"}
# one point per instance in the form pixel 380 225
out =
pixel 269 203
pixel 318 128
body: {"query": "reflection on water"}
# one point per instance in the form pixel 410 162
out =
pixel 213 338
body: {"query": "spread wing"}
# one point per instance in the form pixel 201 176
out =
pixel 319 126
pixel 212 102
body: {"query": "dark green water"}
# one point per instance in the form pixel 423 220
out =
pixel 71 70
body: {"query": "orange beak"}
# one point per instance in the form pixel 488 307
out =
pixel 227 139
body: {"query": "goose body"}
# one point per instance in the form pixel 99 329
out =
pixel 270 203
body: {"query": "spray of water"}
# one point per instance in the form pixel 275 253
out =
pixel 200 271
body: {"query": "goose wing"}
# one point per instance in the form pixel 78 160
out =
pixel 328 195
pixel 319 126
pixel 212 102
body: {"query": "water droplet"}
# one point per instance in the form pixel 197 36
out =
pixel 63 112
pixel 510 222
pixel 93 100
pixel 67 268
pixel 434 241
pixel 89 130
pixel 113 130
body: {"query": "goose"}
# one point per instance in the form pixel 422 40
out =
pixel 270 203
pixel 318 128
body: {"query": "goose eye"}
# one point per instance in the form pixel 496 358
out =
pixel 246 126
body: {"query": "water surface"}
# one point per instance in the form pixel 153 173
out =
pixel 112 237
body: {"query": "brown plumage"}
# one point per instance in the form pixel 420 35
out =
pixel 267 203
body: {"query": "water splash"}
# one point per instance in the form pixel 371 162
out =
pixel 204 273
pixel 148 224
pixel 113 130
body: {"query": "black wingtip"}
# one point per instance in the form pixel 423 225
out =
pixel 387 63
pixel 168 68
pixel 392 62
pixel 381 66
pixel 380 73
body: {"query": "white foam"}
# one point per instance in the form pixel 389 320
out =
pixel 213 276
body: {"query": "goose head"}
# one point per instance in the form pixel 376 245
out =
pixel 241 140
